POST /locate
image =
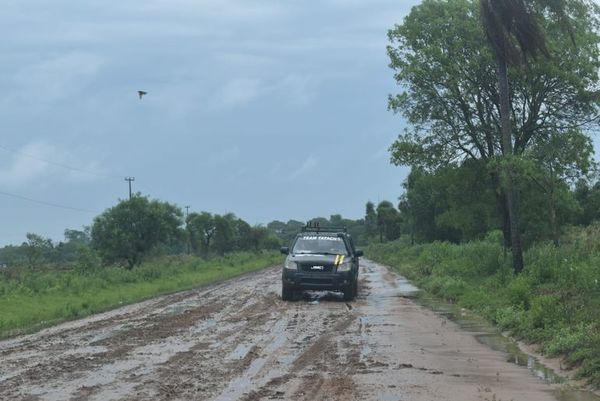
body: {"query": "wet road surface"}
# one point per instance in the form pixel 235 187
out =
pixel 238 341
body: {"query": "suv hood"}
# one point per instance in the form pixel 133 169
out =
pixel 314 258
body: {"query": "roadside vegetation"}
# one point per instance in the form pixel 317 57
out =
pixel 554 302
pixel 135 250
pixel 34 298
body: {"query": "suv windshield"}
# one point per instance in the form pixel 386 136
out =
pixel 320 244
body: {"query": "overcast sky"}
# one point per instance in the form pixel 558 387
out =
pixel 268 109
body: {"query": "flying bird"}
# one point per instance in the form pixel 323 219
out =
pixel 141 93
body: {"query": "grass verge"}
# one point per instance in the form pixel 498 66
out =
pixel 30 300
pixel 554 302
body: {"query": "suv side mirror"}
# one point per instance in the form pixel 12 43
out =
pixel 358 253
pixel 285 250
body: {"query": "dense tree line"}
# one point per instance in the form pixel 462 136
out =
pixel 38 250
pixel 136 229
pixel 456 204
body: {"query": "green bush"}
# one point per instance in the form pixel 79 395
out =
pixel 518 293
pixel 569 339
pixel 509 317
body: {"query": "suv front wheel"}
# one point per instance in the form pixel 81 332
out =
pixel 350 292
pixel 286 293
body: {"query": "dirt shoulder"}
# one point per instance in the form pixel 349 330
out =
pixel 238 341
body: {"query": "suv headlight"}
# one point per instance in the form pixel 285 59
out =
pixel 290 265
pixel 344 267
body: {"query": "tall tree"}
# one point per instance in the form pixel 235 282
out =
pixel 388 221
pixel 514 32
pixel 370 220
pixel 128 231
pixel 37 249
pixel 224 237
pixel 201 229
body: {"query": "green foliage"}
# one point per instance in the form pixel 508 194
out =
pixel 554 302
pixel 389 221
pixel 440 56
pixel 370 220
pixel 37 249
pixel 87 259
pixel 452 204
pixel 518 292
pixel 201 229
pixel 214 234
pixel 588 198
pixel 130 230
pixel 285 231
pixel 224 233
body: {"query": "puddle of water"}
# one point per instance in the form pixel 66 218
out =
pixel 239 352
pixel 385 396
pixel 103 335
pixel 365 349
pixel 575 395
pixel 314 297
pixel 179 307
pixel 406 289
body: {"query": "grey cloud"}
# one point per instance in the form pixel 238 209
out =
pixel 57 77
pixel 29 165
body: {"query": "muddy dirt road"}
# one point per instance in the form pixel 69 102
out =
pixel 238 341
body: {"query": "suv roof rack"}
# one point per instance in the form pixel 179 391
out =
pixel 314 227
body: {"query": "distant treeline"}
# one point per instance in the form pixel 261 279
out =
pixel 141 228
pixel 286 231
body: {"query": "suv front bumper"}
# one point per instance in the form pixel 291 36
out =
pixel 298 280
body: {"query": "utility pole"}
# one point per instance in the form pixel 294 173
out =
pixel 129 179
pixel 187 213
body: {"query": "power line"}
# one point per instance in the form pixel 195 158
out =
pixel 61 165
pixel 56 205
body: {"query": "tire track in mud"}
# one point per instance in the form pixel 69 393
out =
pixel 238 341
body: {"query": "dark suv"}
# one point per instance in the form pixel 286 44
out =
pixel 321 259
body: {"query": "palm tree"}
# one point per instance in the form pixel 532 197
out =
pixel 513 31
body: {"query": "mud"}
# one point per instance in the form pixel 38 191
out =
pixel 239 341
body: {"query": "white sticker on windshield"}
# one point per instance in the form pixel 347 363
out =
pixel 322 238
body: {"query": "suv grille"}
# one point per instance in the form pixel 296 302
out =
pixel 316 267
